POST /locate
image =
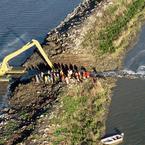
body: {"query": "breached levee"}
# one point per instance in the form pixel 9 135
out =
pixel 27 106
pixel 59 41
pixel 63 36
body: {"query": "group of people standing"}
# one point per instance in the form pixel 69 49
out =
pixel 64 73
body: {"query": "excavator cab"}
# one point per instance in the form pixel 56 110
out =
pixel 7 71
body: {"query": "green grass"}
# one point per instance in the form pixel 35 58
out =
pixel 8 131
pixel 70 104
pixel 24 115
pixel 10 127
pixel 2 141
pixel 79 116
pixel 112 31
pixel 112 9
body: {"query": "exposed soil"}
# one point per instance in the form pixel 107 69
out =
pixel 30 101
pixel 3 88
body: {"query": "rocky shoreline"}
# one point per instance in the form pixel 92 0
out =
pixel 24 117
pixel 63 37
pixel 56 42
pixel 29 101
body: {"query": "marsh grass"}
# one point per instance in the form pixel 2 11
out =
pixel 79 117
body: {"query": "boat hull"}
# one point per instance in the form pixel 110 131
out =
pixel 115 139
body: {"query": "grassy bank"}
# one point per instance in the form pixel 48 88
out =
pixel 79 117
pixel 113 32
pixel 79 113
pixel 76 115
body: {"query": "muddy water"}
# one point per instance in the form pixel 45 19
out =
pixel 23 20
pixel 127 110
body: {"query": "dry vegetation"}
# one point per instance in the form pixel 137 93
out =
pixel 106 21
pixel 78 116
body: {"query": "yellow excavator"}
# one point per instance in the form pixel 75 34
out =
pixel 7 70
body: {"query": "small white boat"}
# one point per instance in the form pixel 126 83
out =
pixel 113 139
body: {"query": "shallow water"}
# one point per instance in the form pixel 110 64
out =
pixel 127 110
pixel 23 20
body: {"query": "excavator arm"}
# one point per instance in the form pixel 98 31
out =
pixel 6 69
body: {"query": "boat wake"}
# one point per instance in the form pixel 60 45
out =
pixel 125 73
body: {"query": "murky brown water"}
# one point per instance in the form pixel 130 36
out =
pixel 127 110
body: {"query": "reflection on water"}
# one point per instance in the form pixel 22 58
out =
pixel 127 110
pixel 136 57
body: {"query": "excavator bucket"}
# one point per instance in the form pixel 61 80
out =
pixel 14 73
pixel 17 71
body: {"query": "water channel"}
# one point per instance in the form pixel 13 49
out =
pixel 127 110
pixel 23 20
pixel 26 19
